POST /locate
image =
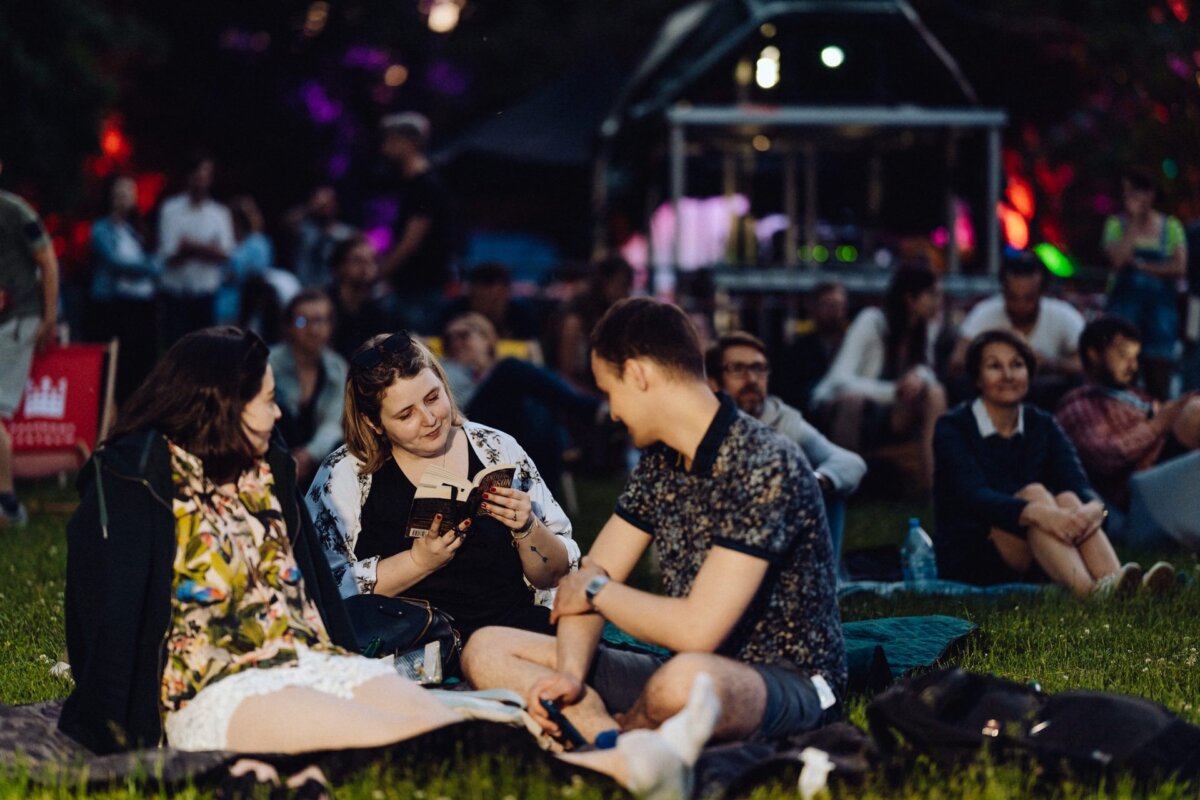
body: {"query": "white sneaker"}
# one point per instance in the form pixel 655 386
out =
pixel 1159 579
pixel 1121 584
pixel 17 520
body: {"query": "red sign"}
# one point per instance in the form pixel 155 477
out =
pixel 63 397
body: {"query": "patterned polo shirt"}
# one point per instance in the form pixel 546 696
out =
pixel 749 490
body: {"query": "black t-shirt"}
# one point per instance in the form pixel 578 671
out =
pixel 482 585
pixel 299 430
pixel 352 329
pixel 423 195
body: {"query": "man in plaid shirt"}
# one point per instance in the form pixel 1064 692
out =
pixel 1117 428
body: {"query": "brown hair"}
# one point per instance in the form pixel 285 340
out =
pixel 195 395
pixel 376 365
pixel 309 295
pixel 638 327
pixel 716 354
pixel 477 323
pixel 998 336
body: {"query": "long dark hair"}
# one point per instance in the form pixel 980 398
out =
pixel 195 395
pixel 903 336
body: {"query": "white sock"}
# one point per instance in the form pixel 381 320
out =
pixel 654 771
pixel 660 762
pixel 690 729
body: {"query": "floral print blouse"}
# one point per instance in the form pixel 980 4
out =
pixel 238 601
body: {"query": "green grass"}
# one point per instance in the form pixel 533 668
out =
pixel 1144 647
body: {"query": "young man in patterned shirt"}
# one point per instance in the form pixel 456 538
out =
pixel 737 519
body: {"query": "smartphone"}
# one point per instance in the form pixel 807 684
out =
pixel 569 731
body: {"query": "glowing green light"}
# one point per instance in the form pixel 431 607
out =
pixel 820 254
pixel 803 253
pixel 1055 260
pixel 1170 169
pixel 846 253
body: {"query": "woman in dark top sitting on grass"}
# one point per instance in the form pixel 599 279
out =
pixel 1010 497
pixel 401 419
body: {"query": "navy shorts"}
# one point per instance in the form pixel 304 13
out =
pixel 793 704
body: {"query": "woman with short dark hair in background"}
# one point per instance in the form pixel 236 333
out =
pixel 1011 499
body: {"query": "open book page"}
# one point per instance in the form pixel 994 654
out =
pixel 442 492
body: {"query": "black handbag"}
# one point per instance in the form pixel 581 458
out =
pixel 396 625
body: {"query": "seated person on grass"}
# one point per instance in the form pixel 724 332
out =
pixel 1118 429
pixel 747 563
pixel 1051 327
pixel 1010 498
pixel 882 389
pixel 310 381
pixel 737 365
pixel 201 616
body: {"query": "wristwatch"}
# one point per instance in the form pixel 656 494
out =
pixel 593 588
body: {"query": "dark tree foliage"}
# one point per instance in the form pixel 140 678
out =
pixel 61 66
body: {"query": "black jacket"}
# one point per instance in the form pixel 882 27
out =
pixel 120 569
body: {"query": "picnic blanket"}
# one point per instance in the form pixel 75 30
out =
pixel 30 741
pixel 879 651
pixel 941 588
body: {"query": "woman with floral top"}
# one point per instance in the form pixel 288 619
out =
pixel 495 569
pixel 198 610
pixel 199 615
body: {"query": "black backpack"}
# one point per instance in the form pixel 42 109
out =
pixel 953 715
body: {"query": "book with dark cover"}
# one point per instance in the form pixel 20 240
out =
pixel 442 492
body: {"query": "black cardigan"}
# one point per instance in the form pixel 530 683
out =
pixel 120 568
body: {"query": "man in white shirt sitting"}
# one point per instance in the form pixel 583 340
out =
pixel 1051 327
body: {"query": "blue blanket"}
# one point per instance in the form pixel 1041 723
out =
pixel 878 651
pixel 940 588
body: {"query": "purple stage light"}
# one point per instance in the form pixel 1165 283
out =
pixel 366 57
pixel 339 165
pixel 321 108
pixel 445 78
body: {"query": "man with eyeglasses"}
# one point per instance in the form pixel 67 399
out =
pixel 737 365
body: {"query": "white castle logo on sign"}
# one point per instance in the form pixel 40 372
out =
pixel 46 399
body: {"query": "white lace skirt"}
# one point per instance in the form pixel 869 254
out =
pixel 203 723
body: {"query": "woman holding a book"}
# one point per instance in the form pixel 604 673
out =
pixel 492 556
pixel 199 610
pixel 200 616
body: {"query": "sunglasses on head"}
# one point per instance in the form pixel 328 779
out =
pixel 369 359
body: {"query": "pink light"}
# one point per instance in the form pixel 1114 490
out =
pixel 964 231
pixel 1179 8
pixel 380 238
pixel 1179 66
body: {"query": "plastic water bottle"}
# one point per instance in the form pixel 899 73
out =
pixel 917 556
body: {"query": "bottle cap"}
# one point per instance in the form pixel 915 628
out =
pixel 914 522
